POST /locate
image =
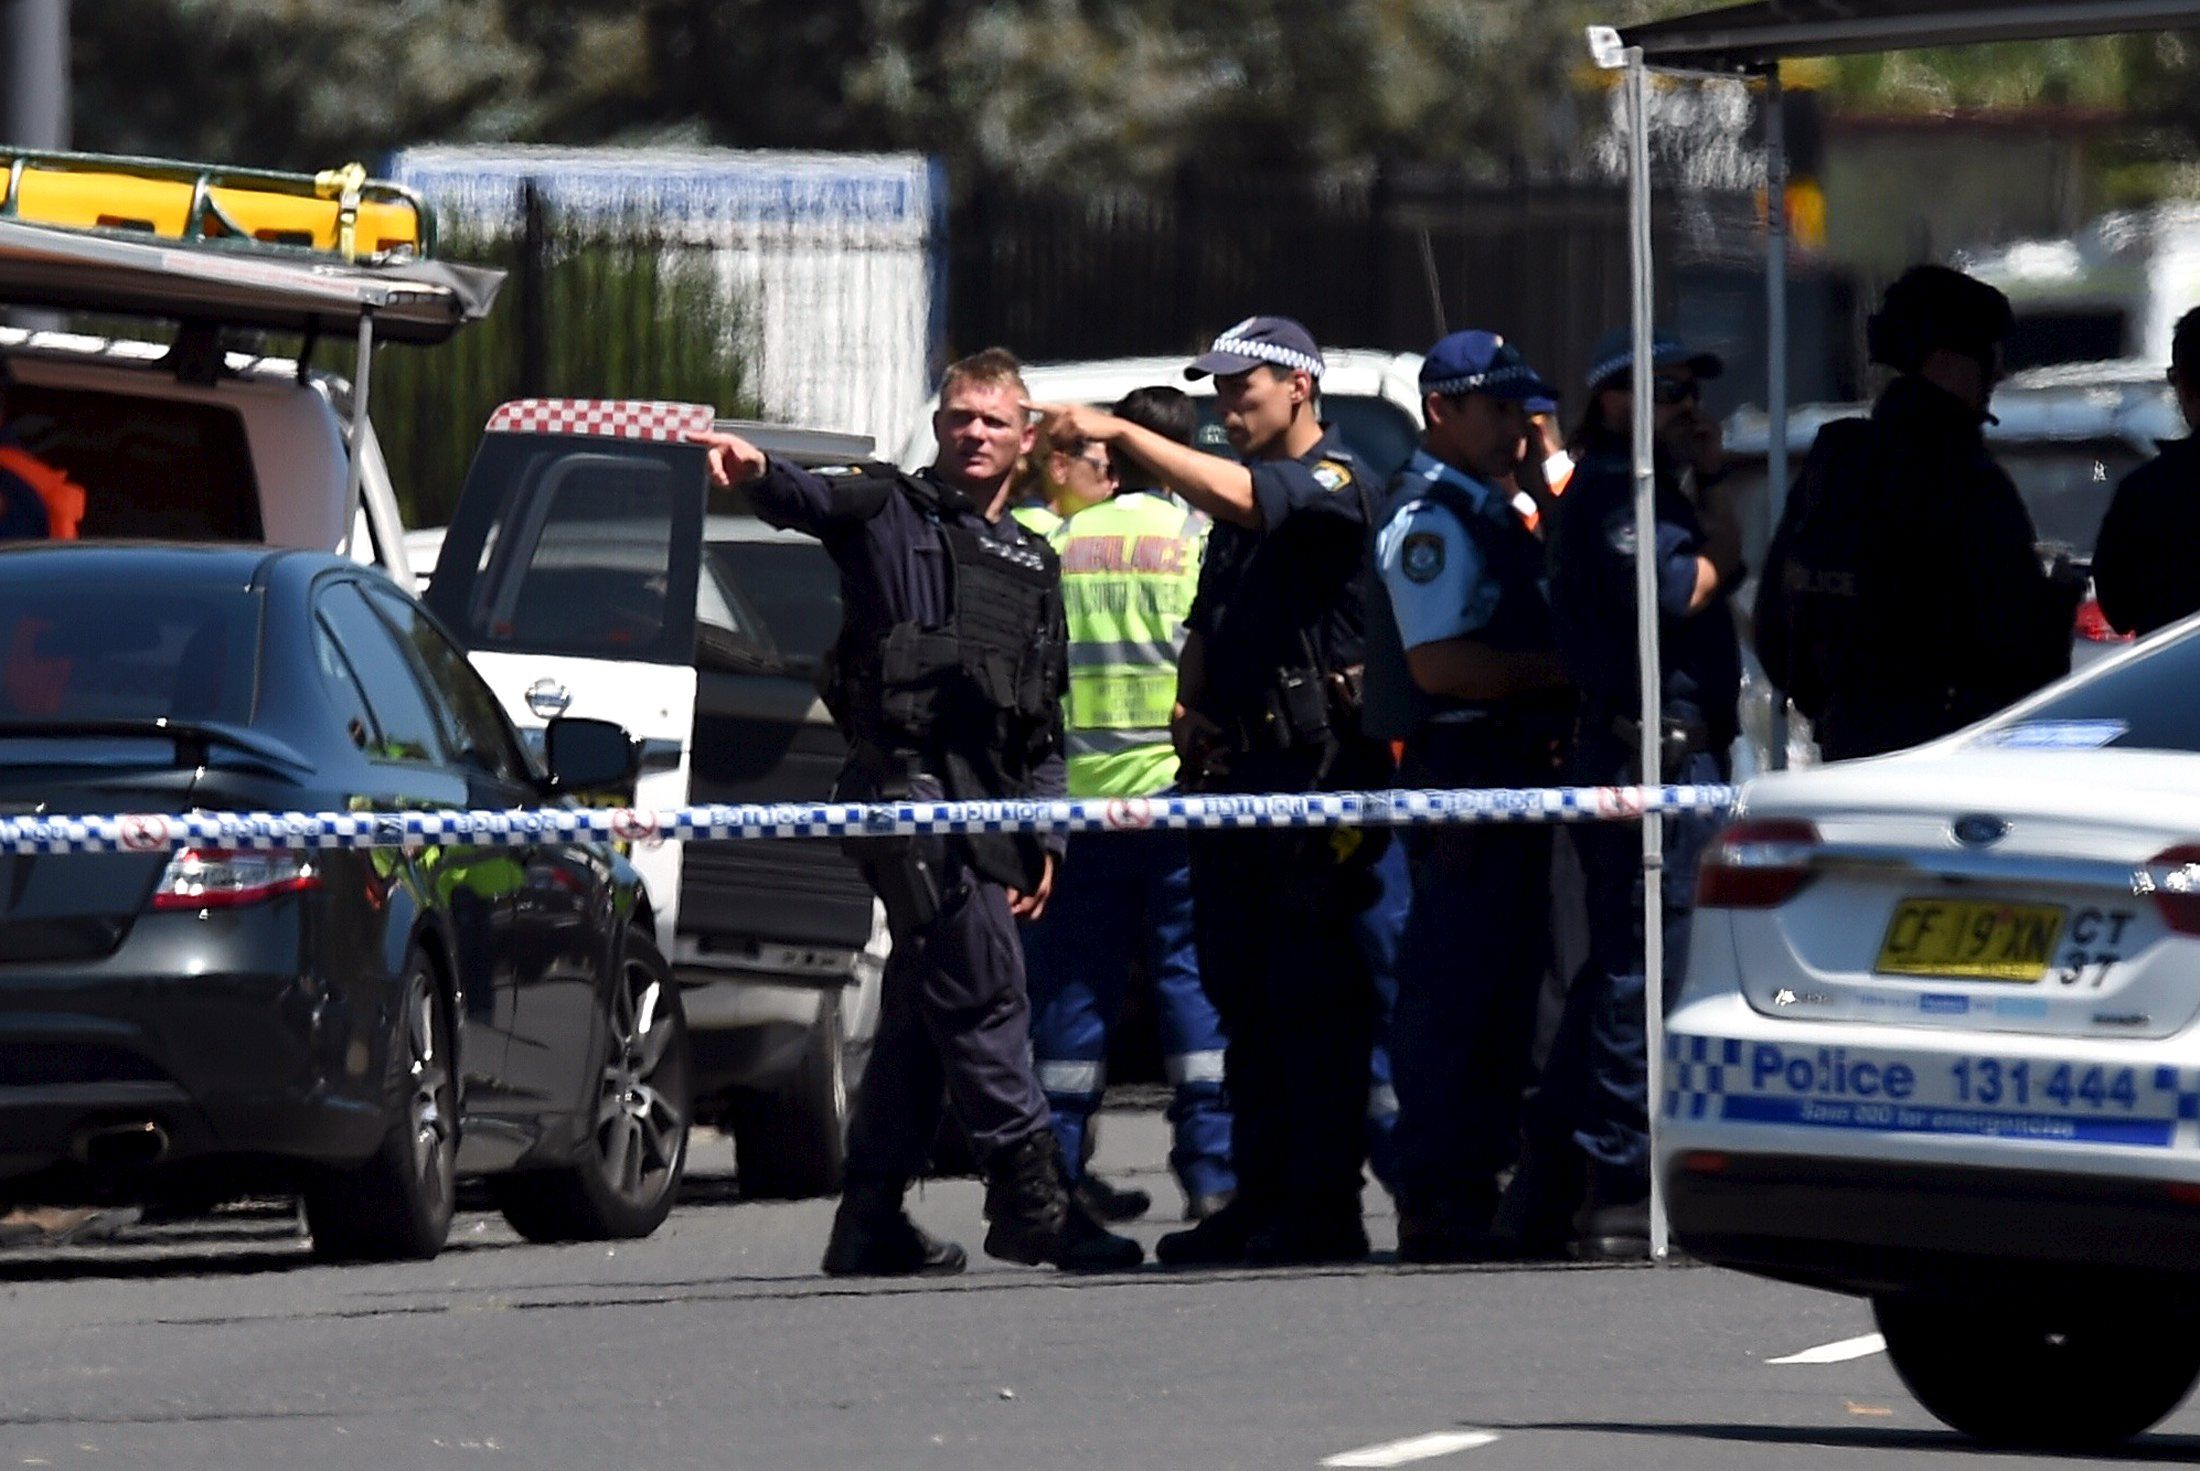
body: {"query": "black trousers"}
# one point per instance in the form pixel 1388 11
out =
pixel 954 1023
pixel 1274 914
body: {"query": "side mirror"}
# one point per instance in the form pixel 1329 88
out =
pixel 584 755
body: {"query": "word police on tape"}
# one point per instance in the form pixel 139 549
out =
pixel 139 832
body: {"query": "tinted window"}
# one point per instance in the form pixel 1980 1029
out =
pixel 386 674
pixel 579 556
pixel 343 689
pixel 1380 433
pixel 794 588
pixel 150 467
pixel 2067 487
pixel 474 727
pixel 100 651
pixel 2151 703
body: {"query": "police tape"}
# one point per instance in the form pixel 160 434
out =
pixel 154 832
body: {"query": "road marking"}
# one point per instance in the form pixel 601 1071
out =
pixel 1413 1448
pixel 1838 1353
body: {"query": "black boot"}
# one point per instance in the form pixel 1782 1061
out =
pixel 1217 1240
pixel 1535 1220
pixel 1111 1203
pixel 1614 1224
pixel 874 1237
pixel 1036 1220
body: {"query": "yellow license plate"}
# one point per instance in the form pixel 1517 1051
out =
pixel 1981 940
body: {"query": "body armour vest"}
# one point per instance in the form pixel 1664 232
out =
pixel 1514 558
pixel 975 700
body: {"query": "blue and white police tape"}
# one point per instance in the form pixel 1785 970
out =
pixel 154 832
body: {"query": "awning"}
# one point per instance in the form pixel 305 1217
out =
pixel 1751 37
pixel 416 301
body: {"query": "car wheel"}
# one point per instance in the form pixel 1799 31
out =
pixel 2051 1379
pixel 397 1206
pixel 626 1175
pixel 793 1142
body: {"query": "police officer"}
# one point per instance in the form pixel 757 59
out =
pixel 1130 567
pixel 1592 1105
pixel 1267 694
pixel 1463 658
pixel 2144 571
pixel 1903 598
pixel 946 679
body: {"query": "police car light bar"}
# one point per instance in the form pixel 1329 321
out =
pixel 602 418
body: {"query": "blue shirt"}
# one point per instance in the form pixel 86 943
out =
pixel 1440 584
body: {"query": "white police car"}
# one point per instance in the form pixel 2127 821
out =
pixel 1939 1045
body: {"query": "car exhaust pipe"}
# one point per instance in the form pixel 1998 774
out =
pixel 137 1143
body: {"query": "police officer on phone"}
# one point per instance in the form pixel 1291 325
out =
pixel 947 680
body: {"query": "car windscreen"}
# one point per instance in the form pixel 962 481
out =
pixel 2148 702
pixel 98 650
pixel 1379 432
pixel 151 468
pixel 793 585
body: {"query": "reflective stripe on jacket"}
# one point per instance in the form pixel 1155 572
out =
pixel 1130 568
pixel 62 497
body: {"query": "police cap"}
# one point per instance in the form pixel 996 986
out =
pixel 1615 353
pixel 1483 362
pixel 1932 307
pixel 1256 340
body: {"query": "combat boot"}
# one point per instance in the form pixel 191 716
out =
pixel 874 1237
pixel 1035 1219
pixel 1113 1204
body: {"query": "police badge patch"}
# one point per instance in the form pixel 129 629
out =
pixel 1422 556
pixel 1331 476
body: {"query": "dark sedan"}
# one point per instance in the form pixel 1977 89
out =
pixel 361 1028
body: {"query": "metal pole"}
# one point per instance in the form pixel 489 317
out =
pixel 1776 361
pixel 37 76
pixel 354 477
pixel 1646 617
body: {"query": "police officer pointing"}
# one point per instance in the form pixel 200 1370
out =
pixel 1267 697
pixel 1464 663
pixel 947 680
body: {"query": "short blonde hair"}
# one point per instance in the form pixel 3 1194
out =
pixel 990 366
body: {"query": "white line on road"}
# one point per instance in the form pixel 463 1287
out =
pixel 1413 1448
pixel 1837 1353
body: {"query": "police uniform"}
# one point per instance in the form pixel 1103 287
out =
pixel 1594 1092
pixel 1280 615
pixel 1457 561
pixel 947 679
pixel 1130 566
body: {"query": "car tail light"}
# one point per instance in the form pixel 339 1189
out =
pixel 1756 863
pixel 229 878
pixel 2093 625
pixel 2176 892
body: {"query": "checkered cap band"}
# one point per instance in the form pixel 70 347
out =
pixel 1268 352
pixel 1483 382
pixel 602 418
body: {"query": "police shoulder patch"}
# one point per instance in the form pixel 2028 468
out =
pixel 1421 558
pixel 1331 475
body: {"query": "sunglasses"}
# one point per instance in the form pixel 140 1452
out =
pixel 1675 390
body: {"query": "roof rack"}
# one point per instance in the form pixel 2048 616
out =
pixel 339 212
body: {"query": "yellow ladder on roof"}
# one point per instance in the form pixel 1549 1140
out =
pixel 338 212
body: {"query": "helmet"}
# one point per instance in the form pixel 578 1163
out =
pixel 1932 307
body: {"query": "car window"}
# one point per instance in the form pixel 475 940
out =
pixel 2149 702
pixel 794 589
pixel 474 727
pixel 98 651
pixel 579 555
pixel 407 727
pixel 1379 432
pixel 150 467
pixel 2067 487
pixel 343 689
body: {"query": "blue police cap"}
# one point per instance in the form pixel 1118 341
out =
pixel 1483 362
pixel 1257 340
pixel 1615 354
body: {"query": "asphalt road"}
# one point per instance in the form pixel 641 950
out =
pixel 219 1344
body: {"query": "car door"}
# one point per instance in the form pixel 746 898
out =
pixel 569 574
pixel 558 937
pixel 475 888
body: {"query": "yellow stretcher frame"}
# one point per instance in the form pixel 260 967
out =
pixel 338 212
